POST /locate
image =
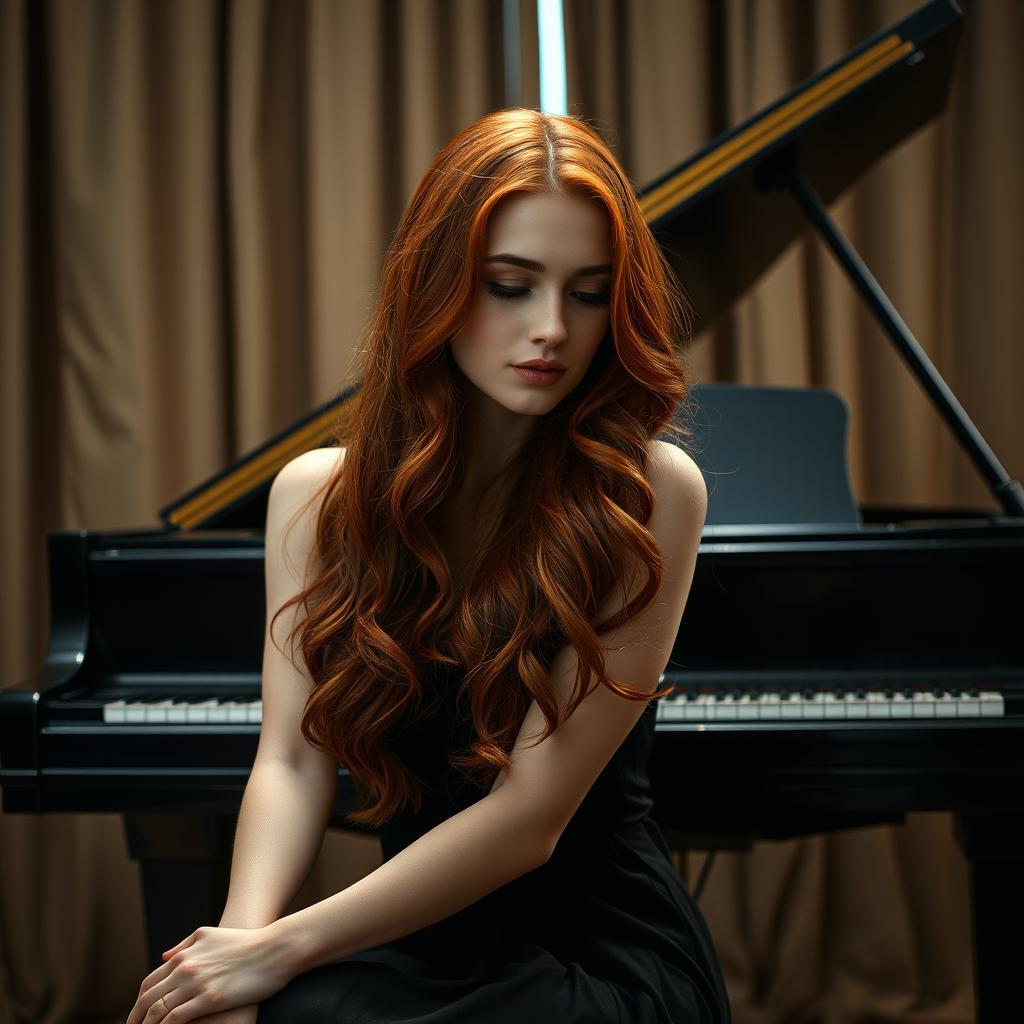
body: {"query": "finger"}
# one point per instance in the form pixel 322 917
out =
pixel 166 1001
pixel 190 1009
pixel 155 977
pixel 148 997
pixel 184 944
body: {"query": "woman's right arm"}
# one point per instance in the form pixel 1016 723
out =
pixel 291 789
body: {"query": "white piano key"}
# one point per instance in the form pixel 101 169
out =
pixel 178 711
pixel 695 710
pixel 924 705
pixel 218 712
pixel 747 708
pixel 255 716
pixel 878 705
pixel 945 706
pixel 671 712
pixel 135 711
pixel 815 707
pixel 114 712
pixel 199 711
pixel 901 707
pixel 856 707
pixel 791 707
pixel 687 710
pixel 968 707
pixel 771 707
pixel 726 709
pixel 237 711
pixel 834 707
pixel 992 704
pixel 669 709
pixel 228 708
pixel 156 711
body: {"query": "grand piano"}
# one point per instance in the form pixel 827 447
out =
pixel 837 666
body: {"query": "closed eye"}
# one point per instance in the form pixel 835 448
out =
pixel 592 298
pixel 504 291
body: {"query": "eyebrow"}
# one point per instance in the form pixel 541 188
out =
pixel 521 261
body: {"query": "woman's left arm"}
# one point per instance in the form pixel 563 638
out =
pixel 509 832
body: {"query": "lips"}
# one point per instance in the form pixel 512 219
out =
pixel 532 375
pixel 540 364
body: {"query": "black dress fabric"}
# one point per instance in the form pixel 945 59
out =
pixel 605 932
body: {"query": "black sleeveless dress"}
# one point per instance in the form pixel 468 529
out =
pixel 604 932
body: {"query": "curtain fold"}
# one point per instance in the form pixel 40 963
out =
pixel 194 201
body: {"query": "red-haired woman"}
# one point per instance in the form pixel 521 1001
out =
pixel 472 598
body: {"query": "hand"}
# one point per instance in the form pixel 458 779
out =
pixel 212 971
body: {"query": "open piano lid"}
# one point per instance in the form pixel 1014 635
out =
pixel 841 120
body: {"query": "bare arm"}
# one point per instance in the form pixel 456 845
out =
pixel 453 865
pixel 279 832
pixel 517 825
pixel 291 789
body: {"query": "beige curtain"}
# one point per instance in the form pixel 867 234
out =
pixel 194 200
pixel 868 925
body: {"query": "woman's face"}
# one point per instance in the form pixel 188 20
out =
pixel 543 294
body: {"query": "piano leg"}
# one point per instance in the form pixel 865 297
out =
pixel 993 844
pixel 185 862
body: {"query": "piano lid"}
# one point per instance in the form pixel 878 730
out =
pixel 840 121
pixel 236 497
pixel 700 212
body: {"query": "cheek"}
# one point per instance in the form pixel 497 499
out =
pixel 593 330
pixel 486 331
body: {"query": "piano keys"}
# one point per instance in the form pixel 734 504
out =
pixel 170 711
pixel 694 704
pixel 689 703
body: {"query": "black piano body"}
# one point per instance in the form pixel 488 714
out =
pixel 168 627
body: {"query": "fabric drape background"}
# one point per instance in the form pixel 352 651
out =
pixel 194 201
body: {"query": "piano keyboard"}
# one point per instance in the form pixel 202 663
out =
pixel 833 705
pixel 203 712
pixel 682 706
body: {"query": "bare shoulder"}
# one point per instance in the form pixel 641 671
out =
pixel 289 563
pixel 307 472
pixel 676 478
pixel 300 479
pixel 293 504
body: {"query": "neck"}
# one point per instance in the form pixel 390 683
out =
pixel 491 438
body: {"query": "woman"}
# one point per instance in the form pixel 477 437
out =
pixel 484 579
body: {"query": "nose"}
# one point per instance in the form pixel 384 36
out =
pixel 549 323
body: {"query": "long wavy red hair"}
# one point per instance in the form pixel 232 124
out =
pixel 381 606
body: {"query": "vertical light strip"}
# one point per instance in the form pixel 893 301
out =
pixel 551 40
pixel 510 52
